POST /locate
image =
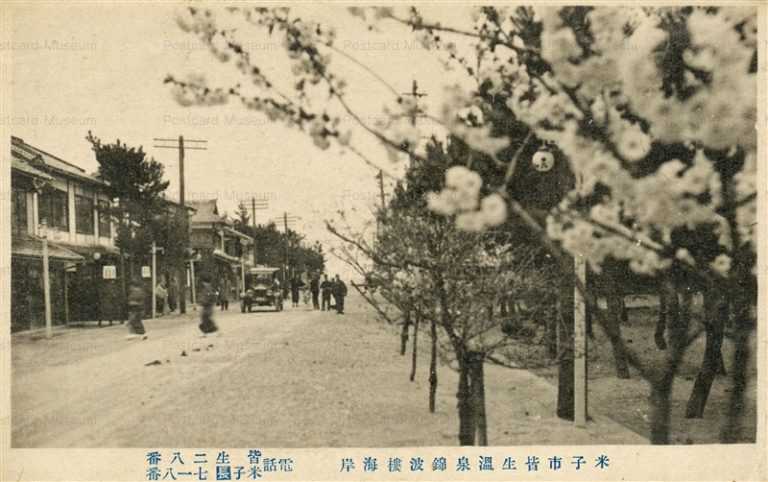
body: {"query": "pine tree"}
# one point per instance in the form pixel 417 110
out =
pixel 136 183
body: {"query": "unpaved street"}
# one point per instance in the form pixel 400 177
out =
pixel 292 379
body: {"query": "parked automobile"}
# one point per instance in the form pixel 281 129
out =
pixel 262 290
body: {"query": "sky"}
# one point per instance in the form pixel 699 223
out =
pixel 79 68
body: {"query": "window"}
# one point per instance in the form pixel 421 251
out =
pixel 84 215
pixel 54 208
pixel 105 227
pixel 19 211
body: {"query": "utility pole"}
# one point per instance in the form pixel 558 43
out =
pixel 381 190
pixel 181 269
pixel 287 219
pixel 380 177
pixel 285 268
pixel 192 281
pixel 417 111
pixel 416 94
pixel 43 230
pixel 155 250
pixel 259 204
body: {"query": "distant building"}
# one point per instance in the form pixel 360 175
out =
pixel 81 235
pixel 221 249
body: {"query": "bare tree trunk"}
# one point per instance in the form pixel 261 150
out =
pixel 731 431
pixel 414 351
pixel 661 385
pixel 661 323
pixel 551 333
pixel 433 366
pixel 404 332
pixel 588 322
pixel 715 307
pixel 467 424
pixel 660 410
pixel 623 308
pixel 477 386
pixel 615 307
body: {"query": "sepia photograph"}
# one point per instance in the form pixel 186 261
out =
pixel 419 228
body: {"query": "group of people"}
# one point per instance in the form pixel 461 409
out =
pixel 335 288
pixel 165 297
pixel 208 296
pixel 327 288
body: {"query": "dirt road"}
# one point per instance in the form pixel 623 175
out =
pixel 299 378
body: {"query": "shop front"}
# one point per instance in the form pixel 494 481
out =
pixel 27 290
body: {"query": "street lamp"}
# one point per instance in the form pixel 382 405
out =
pixel 43 231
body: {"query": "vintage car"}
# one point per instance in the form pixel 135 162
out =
pixel 261 290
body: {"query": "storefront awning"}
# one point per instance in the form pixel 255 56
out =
pixel 217 253
pixel 31 247
pixel 89 251
pixel 238 234
pixel 263 270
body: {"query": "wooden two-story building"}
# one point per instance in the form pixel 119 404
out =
pixel 84 268
pixel 222 250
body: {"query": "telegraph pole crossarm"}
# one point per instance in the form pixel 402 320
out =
pixel 259 204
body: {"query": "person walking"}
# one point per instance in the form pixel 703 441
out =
pixel 160 296
pixel 224 297
pixel 135 308
pixel 246 302
pixel 295 285
pixel 171 294
pixel 327 289
pixel 207 300
pixel 277 293
pixel 340 292
pixel 166 306
pixel 314 287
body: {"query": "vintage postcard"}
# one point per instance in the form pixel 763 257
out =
pixel 398 241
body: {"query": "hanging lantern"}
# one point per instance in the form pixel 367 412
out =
pixel 543 160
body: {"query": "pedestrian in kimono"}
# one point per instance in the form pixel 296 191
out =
pixel 135 308
pixel 171 294
pixel 160 296
pixel 207 300
pixel 295 285
pixel 224 297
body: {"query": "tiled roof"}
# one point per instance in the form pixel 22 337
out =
pixel 174 202
pixel 206 212
pixel 20 164
pixel 44 160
